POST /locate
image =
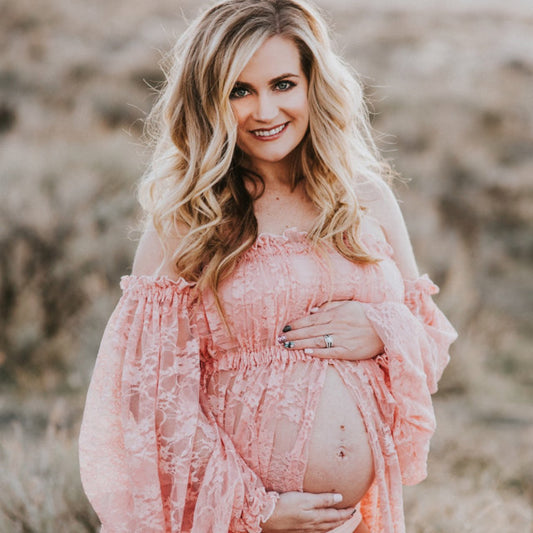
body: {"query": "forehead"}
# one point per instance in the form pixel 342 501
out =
pixel 277 55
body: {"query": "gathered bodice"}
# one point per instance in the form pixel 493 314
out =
pixel 279 279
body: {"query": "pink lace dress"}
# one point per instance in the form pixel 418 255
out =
pixel 181 417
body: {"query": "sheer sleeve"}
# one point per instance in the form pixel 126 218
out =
pixel 151 458
pixel 416 336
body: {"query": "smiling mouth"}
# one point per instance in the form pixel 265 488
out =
pixel 270 133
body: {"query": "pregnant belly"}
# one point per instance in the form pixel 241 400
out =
pixel 339 454
pixel 265 411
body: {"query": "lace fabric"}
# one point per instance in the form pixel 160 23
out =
pixel 180 425
pixel 151 458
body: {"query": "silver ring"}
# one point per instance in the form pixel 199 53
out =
pixel 328 339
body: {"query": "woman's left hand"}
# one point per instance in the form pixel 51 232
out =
pixel 345 323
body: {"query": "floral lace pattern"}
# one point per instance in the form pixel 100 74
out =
pixel 181 414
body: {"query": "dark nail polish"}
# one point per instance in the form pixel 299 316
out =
pixel 289 344
pixel 286 328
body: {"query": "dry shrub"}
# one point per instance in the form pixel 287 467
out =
pixel 59 225
pixel 480 470
pixel 467 506
pixel 40 489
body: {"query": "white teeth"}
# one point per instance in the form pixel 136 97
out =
pixel 268 133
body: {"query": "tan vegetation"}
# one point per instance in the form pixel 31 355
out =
pixel 452 89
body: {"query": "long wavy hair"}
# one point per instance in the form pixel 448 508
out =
pixel 194 191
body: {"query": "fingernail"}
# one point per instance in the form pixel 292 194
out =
pixel 286 328
pixel 282 338
pixel 314 309
pixel 308 350
pixel 337 498
pixel 288 344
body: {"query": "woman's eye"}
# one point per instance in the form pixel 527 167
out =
pixel 238 92
pixel 284 85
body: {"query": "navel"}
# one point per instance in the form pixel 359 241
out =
pixel 341 452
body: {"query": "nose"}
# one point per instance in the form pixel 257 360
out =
pixel 266 108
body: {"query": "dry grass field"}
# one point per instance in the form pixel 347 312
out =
pixel 451 88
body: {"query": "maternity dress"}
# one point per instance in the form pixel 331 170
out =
pixel 179 425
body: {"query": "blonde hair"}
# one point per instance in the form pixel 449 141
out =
pixel 194 191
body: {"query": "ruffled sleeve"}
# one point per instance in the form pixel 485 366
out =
pixel 416 336
pixel 152 459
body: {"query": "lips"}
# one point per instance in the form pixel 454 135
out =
pixel 272 132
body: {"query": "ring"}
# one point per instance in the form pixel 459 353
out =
pixel 328 339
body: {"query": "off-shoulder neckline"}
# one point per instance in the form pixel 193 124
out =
pixel 157 281
pixel 284 233
pixel 295 235
pixel 289 235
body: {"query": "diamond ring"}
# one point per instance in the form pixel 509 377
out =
pixel 328 339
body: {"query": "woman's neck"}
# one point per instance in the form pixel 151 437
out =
pixel 281 207
pixel 275 175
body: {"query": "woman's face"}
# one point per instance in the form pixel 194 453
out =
pixel 270 103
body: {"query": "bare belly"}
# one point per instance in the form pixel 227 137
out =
pixel 340 457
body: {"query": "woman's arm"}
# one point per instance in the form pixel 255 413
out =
pixel 416 337
pixel 151 458
pixel 431 328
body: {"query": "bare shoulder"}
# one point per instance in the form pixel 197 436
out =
pixel 150 258
pixel 383 206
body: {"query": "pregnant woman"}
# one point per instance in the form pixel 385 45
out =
pixel 270 364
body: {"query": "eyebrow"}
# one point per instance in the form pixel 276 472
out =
pixel 271 82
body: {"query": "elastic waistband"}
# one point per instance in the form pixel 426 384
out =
pixel 243 359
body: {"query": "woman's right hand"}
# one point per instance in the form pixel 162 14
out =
pixel 304 512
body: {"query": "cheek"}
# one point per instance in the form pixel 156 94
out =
pixel 241 130
pixel 305 113
pixel 300 106
pixel 240 113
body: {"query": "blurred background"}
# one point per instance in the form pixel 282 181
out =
pixel 451 92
